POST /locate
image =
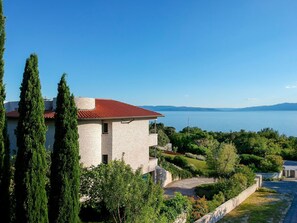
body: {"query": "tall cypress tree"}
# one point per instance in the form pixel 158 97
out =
pixel 4 143
pixel 65 169
pixel 31 166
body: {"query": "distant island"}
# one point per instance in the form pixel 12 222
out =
pixel 277 107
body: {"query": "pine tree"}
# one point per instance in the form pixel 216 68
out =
pixel 31 166
pixel 4 143
pixel 65 169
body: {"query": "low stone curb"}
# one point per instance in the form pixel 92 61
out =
pixel 229 205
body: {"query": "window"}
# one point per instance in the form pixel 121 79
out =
pixel 105 159
pixel 105 128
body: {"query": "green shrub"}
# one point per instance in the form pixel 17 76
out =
pixel 174 170
pixel 249 174
pixel 175 206
pixel 217 200
pixel 180 161
pixel 272 163
pixel 251 160
pixel 207 190
pixel 233 186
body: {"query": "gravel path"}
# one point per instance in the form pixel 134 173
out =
pixel 289 187
pixel 186 186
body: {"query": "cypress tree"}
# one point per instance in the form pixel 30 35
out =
pixel 65 169
pixel 31 166
pixel 4 143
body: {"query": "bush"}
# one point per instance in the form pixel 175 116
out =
pixel 199 208
pixel 233 186
pixel 207 190
pixel 180 161
pixel 249 174
pixel 217 200
pixel 175 206
pixel 252 161
pixel 272 163
pixel 175 170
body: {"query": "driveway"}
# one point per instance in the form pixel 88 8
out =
pixel 288 187
pixel 187 186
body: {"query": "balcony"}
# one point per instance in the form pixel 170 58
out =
pixel 153 139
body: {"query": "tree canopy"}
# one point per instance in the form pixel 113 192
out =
pixel 65 168
pixel 31 167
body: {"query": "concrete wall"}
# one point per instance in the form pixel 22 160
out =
pixel 229 205
pixel 90 142
pixel 130 142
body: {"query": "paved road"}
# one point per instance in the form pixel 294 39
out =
pixel 289 187
pixel 186 186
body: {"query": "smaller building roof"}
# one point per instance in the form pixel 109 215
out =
pixel 105 109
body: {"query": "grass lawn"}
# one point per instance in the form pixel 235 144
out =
pixel 260 207
pixel 199 164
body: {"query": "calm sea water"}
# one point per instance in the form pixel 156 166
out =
pixel 285 122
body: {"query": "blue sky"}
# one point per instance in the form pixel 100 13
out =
pixel 208 53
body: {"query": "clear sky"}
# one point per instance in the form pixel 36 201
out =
pixel 207 53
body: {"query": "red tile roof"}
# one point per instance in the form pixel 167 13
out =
pixel 105 109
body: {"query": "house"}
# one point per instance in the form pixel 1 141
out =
pixel 108 130
pixel 290 169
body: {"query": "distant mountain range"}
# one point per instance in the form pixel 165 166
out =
pixel 277 107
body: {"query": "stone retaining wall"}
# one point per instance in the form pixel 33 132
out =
pixel 164 177
pixel 229 205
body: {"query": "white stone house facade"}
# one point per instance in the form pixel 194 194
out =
pixel 108 130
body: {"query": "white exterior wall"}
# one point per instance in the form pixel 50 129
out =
pixel 130 142
pixel 106 143
pixel 90 142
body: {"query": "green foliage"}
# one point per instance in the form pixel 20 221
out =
pixel 175 206
pixel 30 172
pixel 163 139
pixel 272 163
pixel 253 161
pixel 217 200
pixel 174 170
pixel 247 172
pixel 207 190
pixel 65 168
pixel 222 159
pixel 122 192
pixel 233 186
pixel 4 142
pixel 180 161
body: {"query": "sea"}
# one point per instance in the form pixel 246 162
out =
pixel 285 122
